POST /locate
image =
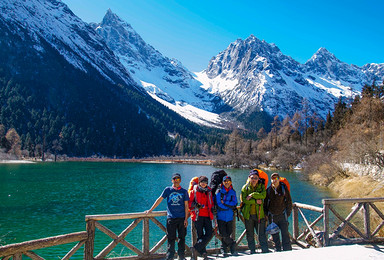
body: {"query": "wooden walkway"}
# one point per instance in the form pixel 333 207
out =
pixel 311 227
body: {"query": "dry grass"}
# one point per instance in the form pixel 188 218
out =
pixel 357 187
pixel 326 174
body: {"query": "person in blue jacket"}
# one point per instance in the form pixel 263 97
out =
pixel 226 202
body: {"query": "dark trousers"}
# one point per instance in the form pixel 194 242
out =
pixel 251 225
pixel 173 225
pixel 282 222
pixel 203 226
pixel 225 230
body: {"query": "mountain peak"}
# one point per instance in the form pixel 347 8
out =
pixel 111 18
pixel 322 55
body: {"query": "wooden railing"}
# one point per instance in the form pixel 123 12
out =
pixel 16 251
pixel 364 236
pixel 317 232
pixel 310 235
pixel 93 223
pixel 326 235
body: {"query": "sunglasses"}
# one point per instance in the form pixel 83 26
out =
pixel 227 181
pixel 254 178
pixel 275 178
pixel 176 179
pixel 204 182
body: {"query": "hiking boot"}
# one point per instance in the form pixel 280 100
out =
pixel 223 252
pixel 205 256
pixel 233 249
pixel 181 257
pixel 253 252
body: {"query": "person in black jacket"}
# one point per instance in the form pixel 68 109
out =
pixel 278 207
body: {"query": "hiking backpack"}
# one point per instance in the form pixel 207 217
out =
pixel 194 181
pixel 216 180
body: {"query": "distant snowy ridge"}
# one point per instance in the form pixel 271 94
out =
pixel 252 74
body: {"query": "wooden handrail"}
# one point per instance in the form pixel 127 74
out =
pixel 352 200
pixel 310 207
pixel 125 216
pixel 42 243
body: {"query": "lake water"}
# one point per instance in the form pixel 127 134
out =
pixel 48 199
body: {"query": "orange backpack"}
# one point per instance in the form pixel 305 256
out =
pixel 194 181
pixel 285 181
pixel 263 175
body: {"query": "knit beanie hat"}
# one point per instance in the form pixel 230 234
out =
pixel 203 179
pixel 253 172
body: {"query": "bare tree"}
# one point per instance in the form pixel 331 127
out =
pixel 13 142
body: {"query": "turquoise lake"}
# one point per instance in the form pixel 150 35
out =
pixel 47 199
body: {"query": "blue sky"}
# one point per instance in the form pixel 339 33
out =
pixel 193 31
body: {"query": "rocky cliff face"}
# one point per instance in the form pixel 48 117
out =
pixel 165 79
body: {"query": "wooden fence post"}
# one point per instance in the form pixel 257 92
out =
pixel 146 236
pixel 367 220
pixel 326 224
pixel 295 221
pixel 89 244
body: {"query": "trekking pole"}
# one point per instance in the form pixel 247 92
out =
pixel 258 226
pixel 215 234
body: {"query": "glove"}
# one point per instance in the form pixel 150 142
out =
pixel 199 206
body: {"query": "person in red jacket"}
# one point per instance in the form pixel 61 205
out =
pixel 200 205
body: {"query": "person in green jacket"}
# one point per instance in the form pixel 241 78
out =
pixel 252 195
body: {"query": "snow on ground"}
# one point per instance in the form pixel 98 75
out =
pixel 15 161
pixel 346 252
pixel 192 113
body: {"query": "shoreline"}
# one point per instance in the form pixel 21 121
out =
pixel 148 160
pixel 88 159
pixel 15 161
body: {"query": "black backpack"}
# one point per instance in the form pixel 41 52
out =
pixel 216 180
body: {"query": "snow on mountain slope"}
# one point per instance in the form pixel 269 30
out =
pixel 253 74
pixel 168 81
pixel 74 39
pixel 250 74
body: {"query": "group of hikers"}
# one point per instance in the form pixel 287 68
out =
pixel 217 202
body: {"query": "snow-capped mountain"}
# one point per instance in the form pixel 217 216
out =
pixel 166 80
pixel 253 74
pixel 57 73
pixel 76 41
pixel 249 75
